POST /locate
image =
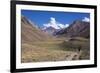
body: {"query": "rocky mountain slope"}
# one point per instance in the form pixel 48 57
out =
pixel 76 29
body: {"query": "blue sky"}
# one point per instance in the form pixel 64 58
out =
pixel 44 17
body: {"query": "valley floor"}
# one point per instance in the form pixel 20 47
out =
pixel 53 50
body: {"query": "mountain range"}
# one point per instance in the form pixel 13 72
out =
pixel 31 32
pixel 76 29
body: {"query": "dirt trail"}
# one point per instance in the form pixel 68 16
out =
pixel 74 56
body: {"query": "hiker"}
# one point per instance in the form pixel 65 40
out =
pixel 79 48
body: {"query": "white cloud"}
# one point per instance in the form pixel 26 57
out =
pixel 86 19
pixel 53 23
pixel 61 25
pixel 66 25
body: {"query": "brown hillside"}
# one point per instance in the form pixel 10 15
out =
pixel 30 33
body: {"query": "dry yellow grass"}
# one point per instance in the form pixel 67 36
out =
pixel 32 53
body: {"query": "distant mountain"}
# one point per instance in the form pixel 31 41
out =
pixel 53 26
pixel 50 30
pixel 30 32
pixel 77 28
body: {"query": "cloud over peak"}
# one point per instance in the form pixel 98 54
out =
pixel 55 24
